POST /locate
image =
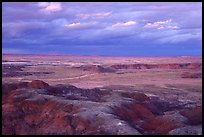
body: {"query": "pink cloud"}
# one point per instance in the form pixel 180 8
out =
pixel 73 25
pixel 129 23
pixel 49 7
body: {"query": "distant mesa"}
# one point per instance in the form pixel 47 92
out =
pixel 162 66
pixel 191 75
pixel 114 68
pixel 97 68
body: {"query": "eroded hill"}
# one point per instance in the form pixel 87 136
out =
pixel 39 108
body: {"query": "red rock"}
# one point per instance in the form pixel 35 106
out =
pixel 6 88
pixel 26 112
pixel 7 107
pixel 137 96
pixel 133 112
pixel 194 115
pixel 10 97
pixel 142 111
pixel 37 84
pixel 126 114
pixel 22 85
pixel 80 124
pixel 30 113
pixel 33 119
pixel 37 116
pixel 11 117
pixel 30 106
pixel 160 125
pixel 59 123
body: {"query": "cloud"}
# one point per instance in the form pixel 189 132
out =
pixel 93 15
pixel 73 25
pixel 168 27
pixel 129 23
pixel 49 7
pixel 161 25
pixel 101 24
pixel 84 25
pixel 157 24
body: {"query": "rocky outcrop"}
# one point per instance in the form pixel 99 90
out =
pixel 133 113
pixel 145 120
pixel 37 108
pixel 160 125
pixel 194 115
pixel 43 109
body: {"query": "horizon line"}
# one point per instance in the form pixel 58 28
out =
pixel 77 55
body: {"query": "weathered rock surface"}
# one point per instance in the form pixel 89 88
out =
pixel 194 115
pixel 160 125
pixel 37 108
pixel 187 130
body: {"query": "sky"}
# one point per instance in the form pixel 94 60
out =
pixel 102 28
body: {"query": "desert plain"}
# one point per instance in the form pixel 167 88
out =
pixel 74 95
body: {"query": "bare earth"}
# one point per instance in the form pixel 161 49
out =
pixel 171 79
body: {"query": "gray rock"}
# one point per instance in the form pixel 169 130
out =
pixel 187 130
